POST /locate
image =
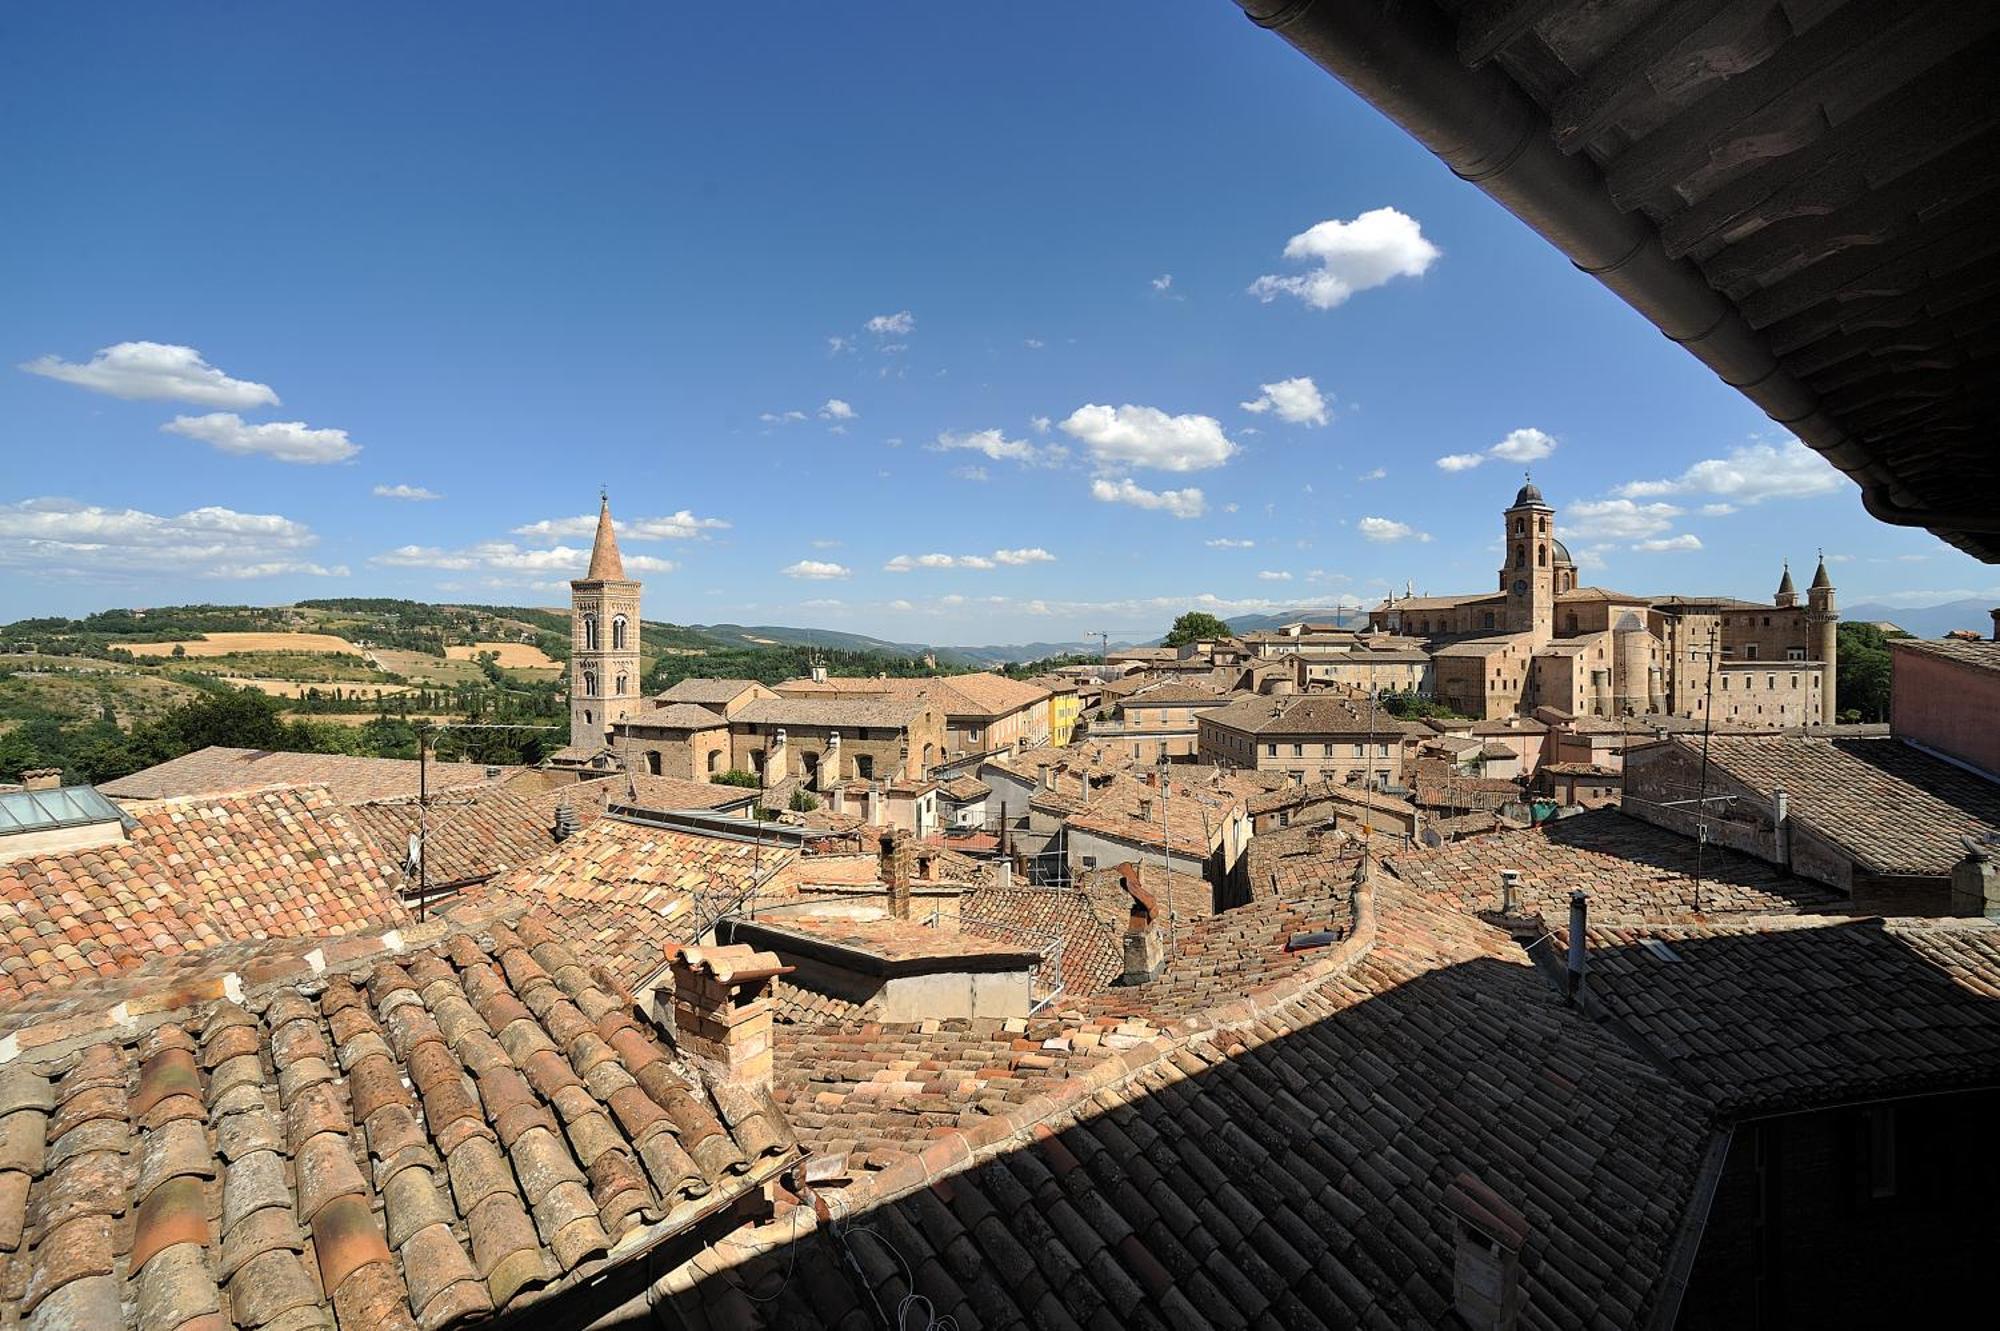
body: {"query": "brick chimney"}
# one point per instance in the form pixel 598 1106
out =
pixel 42 778
pixel 1975 881
pixel 898 860
pixel 722 1011
pixel 1486 1268
pixel 829 763
pixel 1145 951
pixel 778 760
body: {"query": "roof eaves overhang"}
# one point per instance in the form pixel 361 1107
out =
pixel 1404 57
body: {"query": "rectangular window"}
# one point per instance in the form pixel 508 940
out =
pixel 1795 653
pixel 1326 750
pixel 1298 750
pixel 1381 750
pixel 1270 750
pixel 1296 778
pixel 1770 681
pixel 1361 750
pixel 1749 651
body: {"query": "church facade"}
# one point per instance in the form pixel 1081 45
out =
pixel 1541 639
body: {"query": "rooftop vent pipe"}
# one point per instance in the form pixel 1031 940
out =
pixel 1579 955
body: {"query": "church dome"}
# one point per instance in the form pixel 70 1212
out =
pixel 1562 554
pixel 1530 494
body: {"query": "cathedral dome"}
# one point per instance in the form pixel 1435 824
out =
pixel 1562 554
pixel 1530 494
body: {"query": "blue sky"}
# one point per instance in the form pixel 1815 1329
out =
pixel 818 292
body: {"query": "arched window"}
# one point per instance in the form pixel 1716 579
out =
pixel 1542 555
pixel 590 683
pixel 618 636
pixel 1520 526
pixel 714 761
pixel 1520 556
pixel 621 687
pixel 590 633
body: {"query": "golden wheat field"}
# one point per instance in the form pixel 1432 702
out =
pixel 298 688
pixel 510 655
pixel 223 644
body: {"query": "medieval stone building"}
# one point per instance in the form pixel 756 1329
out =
pixel 604 645
pixel 1543 640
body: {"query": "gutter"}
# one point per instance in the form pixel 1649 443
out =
pixel 1402 58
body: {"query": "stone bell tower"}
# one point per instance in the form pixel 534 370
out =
pixel 603 641
pixel 1823 630
pixel 1528 576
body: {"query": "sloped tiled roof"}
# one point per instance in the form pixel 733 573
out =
pixel 472 835
pixel 1981 655
pixel 1894 808
pixel 218 771
pixel 1634 872
pixel 1310 714
pixel 1092 955
pixel 624 893
pixel 678 716
pixel 466 1130
pixel 889 713
pixel 707 692
pixel 1280 1159
pixel 1788 1013
pixel 194 873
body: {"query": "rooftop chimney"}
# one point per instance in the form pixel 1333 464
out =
pixel 567 824
pixel 41 778
pixel 818 673
pixel 1975 880
pixel 1579 954
pixel 1510 888
pixel 1145 952
pixel 722 1011
pixel 778 760
pixel 1486 1268
pixel 829 763
pixel 1048 781
pixel 898 868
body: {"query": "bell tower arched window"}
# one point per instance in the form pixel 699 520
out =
pixel 1520 556
pixel 590 683
pixel 590 633
pixel 621 686
pixel 618 635
pixel 1542 555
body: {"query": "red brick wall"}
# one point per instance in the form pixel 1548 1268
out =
pixel 1946 706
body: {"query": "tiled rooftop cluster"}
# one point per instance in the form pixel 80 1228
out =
pixel 193 873
pixel 1785 1013
pixel 461 1130
pixel 470 836
pixel 217 770
pixel 625 893
pixel 1282 1161
pixel 1632 870
pixel 1896 809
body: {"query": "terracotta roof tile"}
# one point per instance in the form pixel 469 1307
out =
pixel 194 874
pixel 194 1194
pixel 217 770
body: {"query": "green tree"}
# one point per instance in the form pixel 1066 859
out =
pixel 804 801
pixel 736 776
pixel 1415 707
pixel 1194 625
pixel 1862 688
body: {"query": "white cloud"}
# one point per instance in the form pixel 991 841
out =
pixel 824 543
pixel 1164 282
pixel 1033 343
pixel 997 446
pixel 1273 575
pixel 837 410
pixel 1188 503
pixel 1229 543
pixel 1750 475
pixel 513 564
pixel 1375 475
pixel 410 492
pixel 680 526
pixel 1040 424
pixel 1524 445
pixel 971 473
pixel 1025 555
pixel 817 570
pixel 1013 558
pixel 62 537
pixel 781 417
pixel 900 324
pixel 1717 510
pixel 901 605
pixel 1670 544
pixel 1148 437
pixel 1296 401
pixel 836 345
pixel 155 370
pixel 286 441
pixel 1376 247
pixel 1618 520
pixel 1387 529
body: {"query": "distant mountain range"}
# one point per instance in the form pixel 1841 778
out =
pixel 1930 621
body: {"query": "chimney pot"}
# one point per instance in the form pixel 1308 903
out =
pixel 1510 884
pixel 41 778
pixel 722 1012
pixel 1579 953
